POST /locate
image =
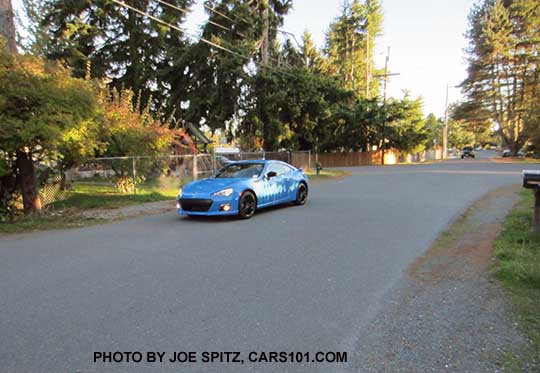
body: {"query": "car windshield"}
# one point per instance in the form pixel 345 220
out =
pixel 240 170
pixel 467 149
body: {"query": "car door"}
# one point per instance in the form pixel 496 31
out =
pixel 282 183
pixel 291 183
pixel 288 182
pixel 266 189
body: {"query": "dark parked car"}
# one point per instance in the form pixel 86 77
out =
pixel 467 152
pixel 507 153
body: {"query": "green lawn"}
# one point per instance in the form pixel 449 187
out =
pixel 518 268
pixel 88 195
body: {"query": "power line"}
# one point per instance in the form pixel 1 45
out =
pixel 234 21
pixel 204 40
pixel 186 11
pixel 214 10
pixel 226 28
pixel 291 34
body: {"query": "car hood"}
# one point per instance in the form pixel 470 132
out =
pixel 207 186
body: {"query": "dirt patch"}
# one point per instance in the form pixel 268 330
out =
pixel 151 208
pixel 448 314
pixel 470 238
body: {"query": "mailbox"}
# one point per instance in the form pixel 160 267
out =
pixel 531 179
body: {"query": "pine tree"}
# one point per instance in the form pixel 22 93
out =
pixel 313 59
pixel 503 73
pixel 350 43
pixel 102 39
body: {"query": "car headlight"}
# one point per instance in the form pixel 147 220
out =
pixel 179 192
pixel 224 193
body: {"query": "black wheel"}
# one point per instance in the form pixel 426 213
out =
pixel 301 194
pixel 248 205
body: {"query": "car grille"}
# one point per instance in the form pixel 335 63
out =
pixel 195 204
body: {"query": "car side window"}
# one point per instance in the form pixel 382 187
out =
pixel 283 169
pixel 279 169
pixel 273 167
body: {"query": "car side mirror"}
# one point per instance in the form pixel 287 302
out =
pixel 271 174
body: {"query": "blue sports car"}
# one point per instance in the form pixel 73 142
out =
pixel 240 188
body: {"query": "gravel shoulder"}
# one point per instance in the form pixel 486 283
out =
pixel 150 208
pixel 447 313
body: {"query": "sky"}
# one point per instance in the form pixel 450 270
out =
pixel 426 40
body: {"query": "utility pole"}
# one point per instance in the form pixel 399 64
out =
pixel 368 67
pixel 7 26
pixel 385 78
pixel 266 26
pixel 445 128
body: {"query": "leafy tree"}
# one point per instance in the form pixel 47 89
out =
pixel 503 72
pixel 43 110
pixel 131 130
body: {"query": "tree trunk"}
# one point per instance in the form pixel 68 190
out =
pixel 7 26
pixel 26 179
pixel 514 148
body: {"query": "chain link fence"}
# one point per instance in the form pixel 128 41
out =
pixel 145 175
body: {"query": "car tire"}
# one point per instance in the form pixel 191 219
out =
pixel 247 205
pixel 301 194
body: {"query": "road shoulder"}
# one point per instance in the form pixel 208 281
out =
pixel 448 314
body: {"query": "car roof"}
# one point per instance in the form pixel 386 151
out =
pixel 261 161
pixel 250 161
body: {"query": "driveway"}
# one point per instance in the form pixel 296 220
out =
pixel 301 279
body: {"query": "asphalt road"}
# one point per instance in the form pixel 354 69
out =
pixel 290 279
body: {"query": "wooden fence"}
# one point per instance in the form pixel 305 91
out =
pixel 351 159
pixel 355 159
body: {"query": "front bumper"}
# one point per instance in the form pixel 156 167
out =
pixel 207 205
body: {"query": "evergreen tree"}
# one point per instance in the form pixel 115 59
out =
pixel 216 84
pixel 434 129
pixel 102 39
pixel 350 43
pixel 312 58
pixel 503 73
